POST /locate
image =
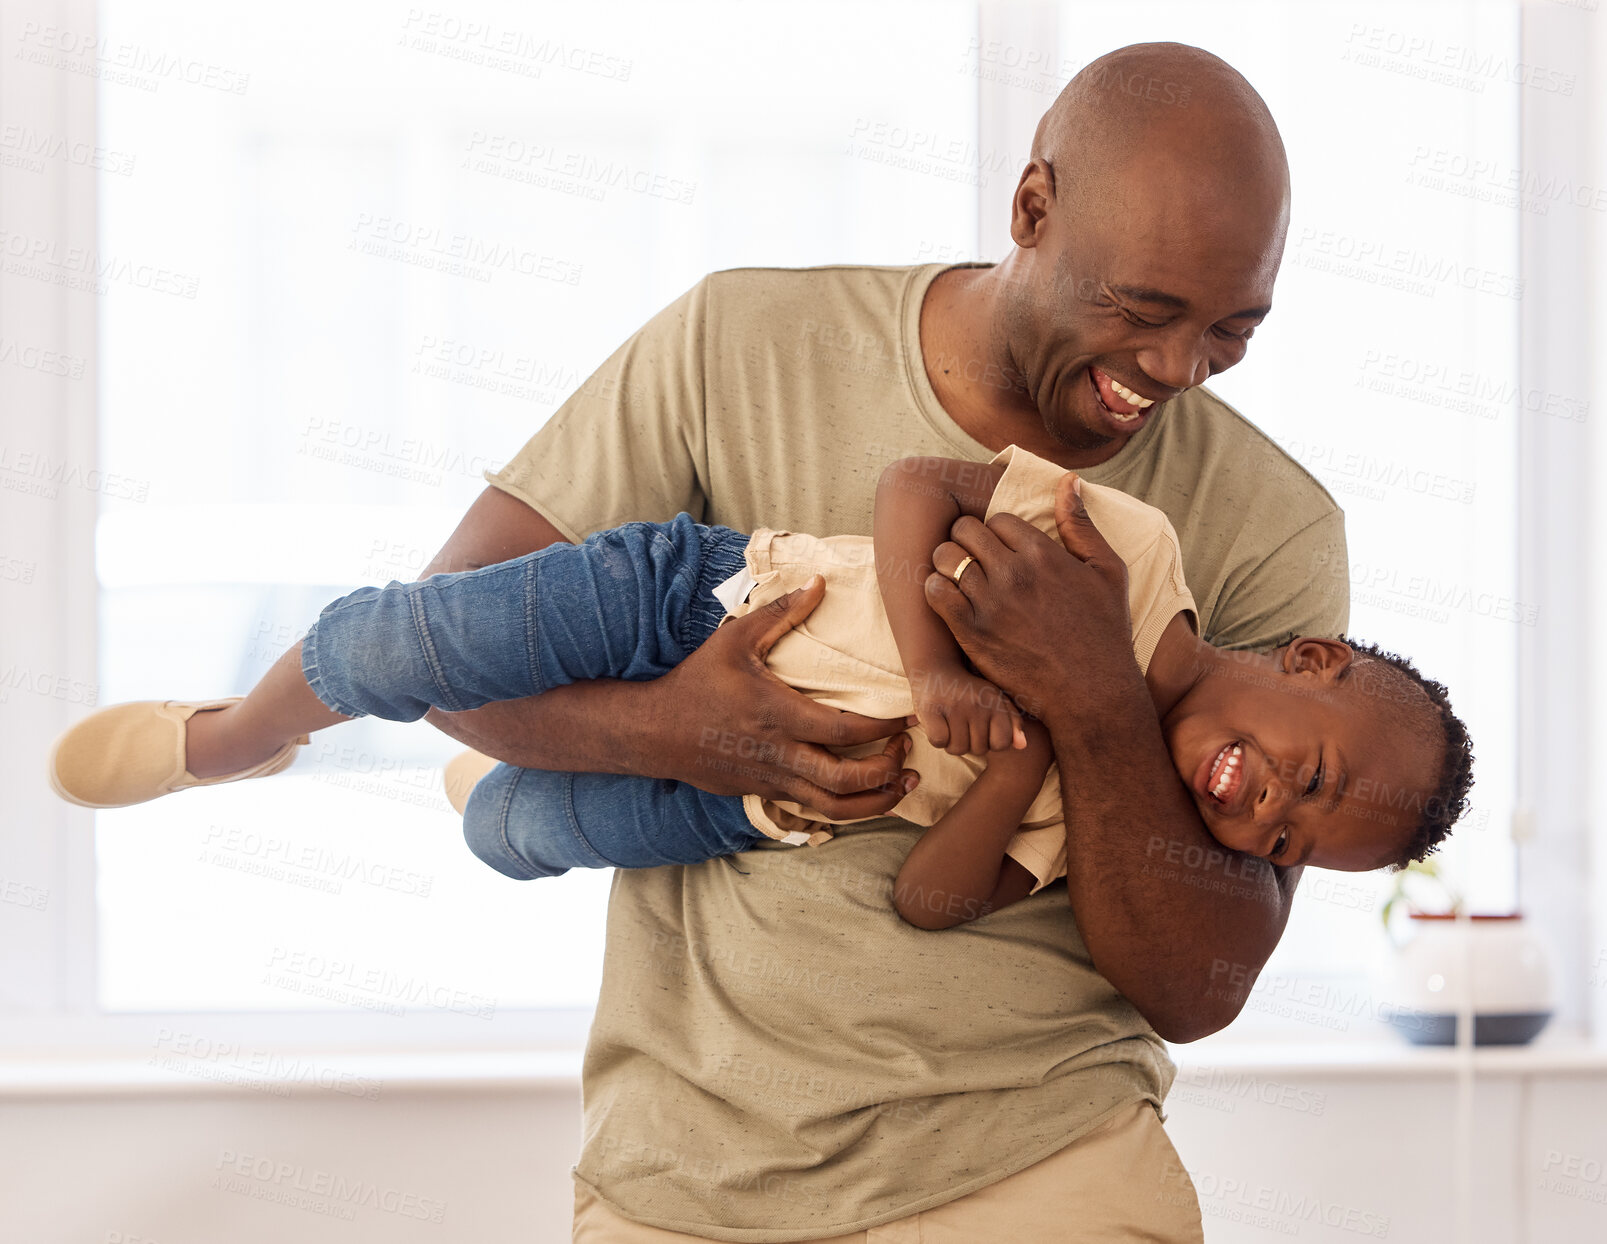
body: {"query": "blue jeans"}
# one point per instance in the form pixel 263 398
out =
pixel 631 603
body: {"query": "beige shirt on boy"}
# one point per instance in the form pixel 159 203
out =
pixel 845 656
pixel 776 1055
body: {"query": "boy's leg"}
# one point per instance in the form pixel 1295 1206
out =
pixel 529 823
pixel 630 603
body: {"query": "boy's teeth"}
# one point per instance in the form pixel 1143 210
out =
pixel 1127 395
pixel 1228 769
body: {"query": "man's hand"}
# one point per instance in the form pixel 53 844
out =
pixel 731 727
pixel 720 720
pixel 1031 615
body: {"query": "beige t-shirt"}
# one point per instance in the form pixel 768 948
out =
pixel 844 654
pixel 776 1055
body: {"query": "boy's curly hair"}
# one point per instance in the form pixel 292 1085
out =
pixel 1413 700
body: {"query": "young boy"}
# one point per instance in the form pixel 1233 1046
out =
pixel 1313 754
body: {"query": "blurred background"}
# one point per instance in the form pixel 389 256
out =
pixel 277 284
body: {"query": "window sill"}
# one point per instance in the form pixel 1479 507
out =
pixel 301 1072
pixel 1561 1053
pixel 367 1075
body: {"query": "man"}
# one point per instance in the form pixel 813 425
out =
pixel 775 1055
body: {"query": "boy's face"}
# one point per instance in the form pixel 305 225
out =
pixel 1296 762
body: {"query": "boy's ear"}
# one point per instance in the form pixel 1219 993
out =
pixel 1326 658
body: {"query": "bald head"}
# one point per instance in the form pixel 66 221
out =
pixel 1162 108
pixel 1148 225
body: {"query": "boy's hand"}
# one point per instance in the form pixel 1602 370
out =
pixel 1035 754
pixel 963 713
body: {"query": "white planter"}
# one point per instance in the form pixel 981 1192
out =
pixel 1498 962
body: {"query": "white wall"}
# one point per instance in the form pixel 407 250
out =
pixel 1318 1156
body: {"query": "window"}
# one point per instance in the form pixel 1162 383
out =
pixel 348 257
pixel 401 237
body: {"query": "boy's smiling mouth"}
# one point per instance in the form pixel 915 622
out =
pixel 1223 778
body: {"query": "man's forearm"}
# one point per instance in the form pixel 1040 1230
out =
pixel 586 727
pixel 1174 920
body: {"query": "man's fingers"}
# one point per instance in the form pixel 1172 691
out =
pixel 949 557
pixel 848 775
pixel 855 807
pixel 1077 530
pixel 979 540
pixel 950 604
pixel 814 722
pixel 784 613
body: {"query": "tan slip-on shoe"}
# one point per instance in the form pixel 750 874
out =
pixel 462 773
pixel 132 753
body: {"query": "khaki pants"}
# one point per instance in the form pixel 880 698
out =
pixel 1121 1182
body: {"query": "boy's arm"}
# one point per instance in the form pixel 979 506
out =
pixel 917 501
pixel 957 870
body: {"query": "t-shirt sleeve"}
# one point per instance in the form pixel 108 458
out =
pixel 629 444
pixel 1301 588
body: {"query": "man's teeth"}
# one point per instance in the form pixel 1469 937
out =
pixel 1228 770
pixel 1127 395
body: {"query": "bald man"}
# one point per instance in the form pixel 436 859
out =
pixel 775 1054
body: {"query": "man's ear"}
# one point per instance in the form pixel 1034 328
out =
pixel 1034 196
pixel 1325 658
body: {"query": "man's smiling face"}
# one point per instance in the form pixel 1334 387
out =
pixel 1121 310
pixel 1148 244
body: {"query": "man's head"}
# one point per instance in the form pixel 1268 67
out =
pixel 1149 226
pixel 1326 752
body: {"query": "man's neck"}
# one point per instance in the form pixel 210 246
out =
pixel 968 363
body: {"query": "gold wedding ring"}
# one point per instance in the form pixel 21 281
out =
pixel 960 569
